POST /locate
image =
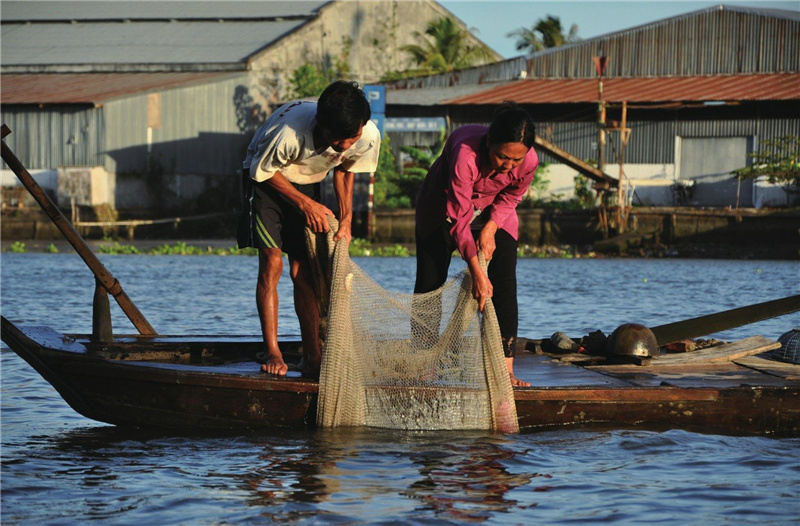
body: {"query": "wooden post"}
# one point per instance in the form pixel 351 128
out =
pixel 600 63
pixel 370 207
pixel 101 315
pixel 109 282
pixel 621 197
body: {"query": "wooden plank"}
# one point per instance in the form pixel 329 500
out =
pixel 720 353
pixel 789 371
pixel 697 375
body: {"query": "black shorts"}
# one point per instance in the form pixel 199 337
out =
pixel 435 251
pixel 269 220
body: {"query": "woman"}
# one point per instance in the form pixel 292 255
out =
pixel 468 201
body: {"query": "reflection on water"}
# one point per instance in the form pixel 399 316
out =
pixel 60 468
pixel 367 475
pixel 468 482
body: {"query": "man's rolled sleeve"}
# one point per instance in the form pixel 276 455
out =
pixel 277 155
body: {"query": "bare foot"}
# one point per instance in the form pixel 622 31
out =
pixel 516 382
pixel 275 365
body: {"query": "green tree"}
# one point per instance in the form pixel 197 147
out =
pixel 307 81
pixel 386 194
pixel 778 161
pixel 310 80
pixel 415 171
pixel 445 46
pixel 546 33
pixel 395 189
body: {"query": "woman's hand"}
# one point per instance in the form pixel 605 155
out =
pixel 485 241
pixel 482 288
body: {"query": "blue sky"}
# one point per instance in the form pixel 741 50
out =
pixel 494 19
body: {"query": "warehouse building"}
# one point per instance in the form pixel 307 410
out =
pixel 147 106
pixel 692 96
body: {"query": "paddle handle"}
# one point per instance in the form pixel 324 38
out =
pixel 722 321
pixel 109 282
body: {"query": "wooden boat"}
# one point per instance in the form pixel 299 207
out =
pixel 215 383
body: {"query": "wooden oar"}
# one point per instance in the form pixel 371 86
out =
pixel 721 321
pixel 104 277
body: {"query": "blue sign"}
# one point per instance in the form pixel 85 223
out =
pixel 376 95
pixel 380 121
pixel 415 124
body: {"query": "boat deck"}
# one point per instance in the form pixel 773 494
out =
pixel 546 370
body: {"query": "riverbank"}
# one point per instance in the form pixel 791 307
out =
pixel 363 248
pixel 650 233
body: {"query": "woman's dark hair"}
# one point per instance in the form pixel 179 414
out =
pixel 512 124
pixel 342 109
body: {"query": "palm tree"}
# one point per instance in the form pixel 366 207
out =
pixel 449 49
pixel 546 33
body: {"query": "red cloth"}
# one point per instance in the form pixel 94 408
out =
pixel 457 184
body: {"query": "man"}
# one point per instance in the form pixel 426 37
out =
pixel 288 157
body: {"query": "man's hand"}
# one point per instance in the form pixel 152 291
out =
pixel 316 215
pixel 345 230
pixel 485 241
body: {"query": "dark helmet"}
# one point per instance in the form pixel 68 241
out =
pixel 633 340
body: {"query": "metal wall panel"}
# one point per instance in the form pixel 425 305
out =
pixel 53 136
pixel 651 142
pixel 201 130
pixel 715 42
pixel 709 161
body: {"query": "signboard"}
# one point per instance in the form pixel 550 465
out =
pixel 376 95
pixel 380 121
pixel 415 124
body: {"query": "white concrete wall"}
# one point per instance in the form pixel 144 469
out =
pixel 651 183
pixel 766 195
pixel 87 185
pixel 47 179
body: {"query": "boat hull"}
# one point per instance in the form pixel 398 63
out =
pixel 214 384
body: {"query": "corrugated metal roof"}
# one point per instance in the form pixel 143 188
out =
pixel 110 10
pixel 430 96
pixel 90 88
pixel 137 42
pixel 646 89
pixel 107 33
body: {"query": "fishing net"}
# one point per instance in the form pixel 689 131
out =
pixel 407 361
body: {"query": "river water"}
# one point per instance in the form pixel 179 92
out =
pixel 60 468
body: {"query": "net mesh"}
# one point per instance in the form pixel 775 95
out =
pixel 406 361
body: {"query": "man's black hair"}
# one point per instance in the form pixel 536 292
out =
pixel 511 123
pixel 342 109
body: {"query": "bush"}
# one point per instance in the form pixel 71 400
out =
pixel 778 162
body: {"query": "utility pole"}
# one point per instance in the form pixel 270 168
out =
pixel 600 63
pixel 600 66
pixel 622 199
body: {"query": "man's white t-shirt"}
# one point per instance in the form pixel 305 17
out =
pixel 285 143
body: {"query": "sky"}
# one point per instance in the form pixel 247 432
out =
pixel 492 20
